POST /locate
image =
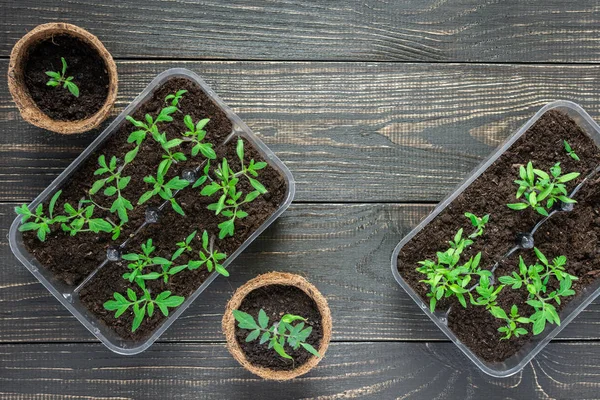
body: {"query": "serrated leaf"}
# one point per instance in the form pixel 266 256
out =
pixel 263 319
pixel 245 320
pixel 253 335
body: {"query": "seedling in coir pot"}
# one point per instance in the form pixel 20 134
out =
pixel 446 277
pixel 279 334
pixel 537 187
pixel 143 267
pixel 59 78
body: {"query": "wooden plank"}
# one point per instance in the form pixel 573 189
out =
pixel 349 370
pixel 411 30
pixel 406 132
pixel 344 250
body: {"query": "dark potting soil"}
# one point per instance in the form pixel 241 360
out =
pixel 489 194
pixel 277 300
pixel 198 218
pixel 71 259
pixel 84 64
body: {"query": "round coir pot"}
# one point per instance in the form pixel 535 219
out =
pixel 44 46
pixel 279 293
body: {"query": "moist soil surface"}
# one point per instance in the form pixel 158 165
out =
pixel 72 258
pixel 84 64
pixel 277 300
pixel 574 234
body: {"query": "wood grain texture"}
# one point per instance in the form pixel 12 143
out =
pixel 364 30
pixel 344 250
pixel 406 132
pixel 348 371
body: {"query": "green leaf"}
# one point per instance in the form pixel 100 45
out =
pixel 109 191
pixel 289 318
pixel 53 74
pixel 240 149
pixel 73 88
pixel 310 349
pixel 257 185
pixel 64 65
pixel 205 240
pixel 517 206
pixel 131 155
pixel 139 317
pixel 253 335
pixel 539 325
pixel 99 225
pixel 279 349
pixel 177 207
pixel 245 320
pixel 251 196
pixel 226 228
pixel 53 202
pixel 265 336
pixel 568 177
pixel 97 186
pixel 263 319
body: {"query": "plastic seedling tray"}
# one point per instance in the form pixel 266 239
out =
pixel 583 297
pixel 68 295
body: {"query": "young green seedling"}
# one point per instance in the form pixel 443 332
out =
pixel 83 216
pixel 143 305
pixel 446 277
pixel 279 334
pixel 537 187
pixel 164 189
pixel 229 202
pixel 120 205
pixel 570 151
pixel 196 135
pixel 150 125
pixel 59 78
pixel 511 328
pixel 209 257
pixel 488 294
pixel 41 223
pixel 535 279
pixel 174 98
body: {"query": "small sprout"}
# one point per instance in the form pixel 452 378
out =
pixel 229 202
pixel 117 183
pixel 41 223
pixel 446 277
pixel 209 257
pixel 174 98
pixel 143 305
pixel 196 135
pixel 58 78
pixel 487 294
pixel 164 189
pixel 279 335
pixel 570 151
pixel 535 279
pixel 537 187
pixel 511 328
pixel 83 216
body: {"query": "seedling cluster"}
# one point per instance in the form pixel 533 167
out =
pixel 449 276
pixel 280 334
pixel 144 266
pixel 113 179
pixel 59 78
pixel 540 190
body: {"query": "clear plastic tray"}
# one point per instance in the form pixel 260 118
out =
pixel 68 295
pixel 581 300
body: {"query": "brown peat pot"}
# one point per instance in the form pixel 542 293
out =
pixel 46 44
pixel 267 283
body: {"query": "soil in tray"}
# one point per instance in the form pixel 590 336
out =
pixel 171 228
pixel 84 64
pixel 278 300
pixel 489 194
pixel 71 259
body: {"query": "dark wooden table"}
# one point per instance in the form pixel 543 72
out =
pixel 379 108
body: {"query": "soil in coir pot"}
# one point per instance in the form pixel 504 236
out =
pixel 84 64
pixel 572 234
pixel 72 258
pixel 277 300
